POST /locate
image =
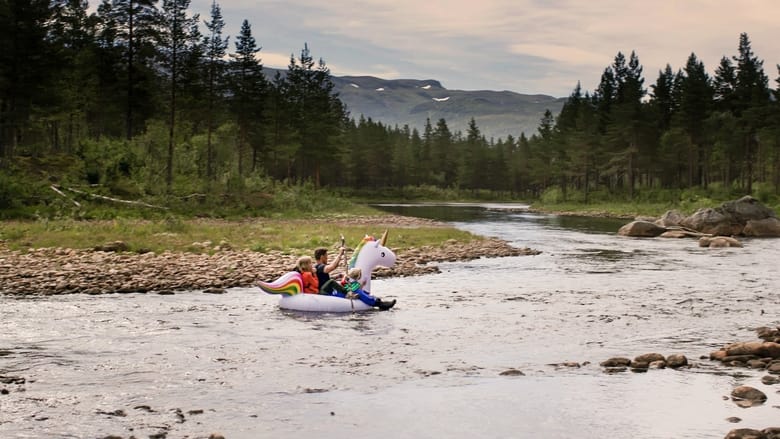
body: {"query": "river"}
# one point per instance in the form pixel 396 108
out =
pixel 189 364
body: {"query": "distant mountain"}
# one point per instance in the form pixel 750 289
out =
pixel 410 101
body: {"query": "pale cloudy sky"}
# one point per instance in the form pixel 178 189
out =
pixel 526 46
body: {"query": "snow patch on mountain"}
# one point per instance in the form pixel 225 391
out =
pixel 441 99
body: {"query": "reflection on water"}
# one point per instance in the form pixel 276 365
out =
pixel 192 363
pixel 513 213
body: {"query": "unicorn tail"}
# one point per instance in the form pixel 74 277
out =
pixel 289 284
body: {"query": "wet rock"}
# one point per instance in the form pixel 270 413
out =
pixel 118 412
pixel 745 433
pixel 774 368
pixel 772 432
pixel 747 396
pixel 746 209
pixel 734 419
pixel 718 242
pixel 4 391
pixel 676 234
pixel 756 348
pixel 214 291
pixel 566 364
pixel 671 218
pixel 676 361
pixel 512 372
pixel 611 370
pixel 659 364
pixel 756 364
pixel 764 228
pixel 712 222
pixel 644 229
pixel 649 358
pixel 217 436
pixel 769 334
pixel 12 380
pixel 770 380
pixel 616 362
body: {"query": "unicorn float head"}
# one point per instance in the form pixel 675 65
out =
pixel 368 255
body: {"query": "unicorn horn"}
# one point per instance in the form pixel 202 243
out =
pixel 383 240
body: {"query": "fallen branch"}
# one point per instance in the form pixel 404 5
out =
pixel 688 232
pixel 116 200
pixel 54 188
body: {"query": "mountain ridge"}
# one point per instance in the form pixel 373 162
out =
pixel 399 102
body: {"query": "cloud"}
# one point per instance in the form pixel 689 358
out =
pixel 528 46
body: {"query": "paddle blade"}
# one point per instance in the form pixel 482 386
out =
pixel 289 284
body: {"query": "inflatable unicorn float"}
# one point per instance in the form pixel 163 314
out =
pixel 369 254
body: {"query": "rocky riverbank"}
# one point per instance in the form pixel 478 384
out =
pixel 109 269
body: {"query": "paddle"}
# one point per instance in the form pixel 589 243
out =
pixel 349 295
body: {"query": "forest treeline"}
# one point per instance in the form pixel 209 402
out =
pixel 142 99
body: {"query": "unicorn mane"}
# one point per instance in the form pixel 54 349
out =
pixel 353 259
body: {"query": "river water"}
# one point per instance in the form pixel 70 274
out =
pixel 190 364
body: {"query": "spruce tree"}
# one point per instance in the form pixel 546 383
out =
pixel 215 48
pixel 751 97
pixel 250 92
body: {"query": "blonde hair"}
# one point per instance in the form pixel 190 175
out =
pixel 355 273
pixel 304 263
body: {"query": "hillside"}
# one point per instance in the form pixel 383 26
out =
pixel 409 101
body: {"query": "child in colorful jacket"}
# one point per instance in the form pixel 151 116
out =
pixel 353 285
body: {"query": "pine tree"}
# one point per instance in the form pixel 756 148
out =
pixel 724 83
pixel 318 115
pixel 250 96
pixel 696 94
pixel 215 47
pixel 751 97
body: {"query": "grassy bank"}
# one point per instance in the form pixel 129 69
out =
pixel 295 236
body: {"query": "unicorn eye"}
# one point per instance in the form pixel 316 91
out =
pixel 382 254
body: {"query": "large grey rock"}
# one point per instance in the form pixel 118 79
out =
pixel 671 218
pixel 767 227
pixel 644 229
pixel 713 222
pixel 746 209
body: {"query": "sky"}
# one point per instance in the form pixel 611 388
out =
pixel 525 46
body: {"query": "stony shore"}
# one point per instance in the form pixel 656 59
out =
pixel 47 271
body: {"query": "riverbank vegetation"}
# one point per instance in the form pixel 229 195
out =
pixel 143 110
pixel 265 235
